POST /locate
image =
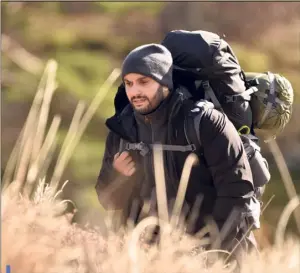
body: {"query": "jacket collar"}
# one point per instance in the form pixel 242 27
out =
pixel 159 117
pixel 125 124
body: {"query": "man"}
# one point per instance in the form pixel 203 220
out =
pixel 156 113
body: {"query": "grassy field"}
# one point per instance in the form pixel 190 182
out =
pixel 39 234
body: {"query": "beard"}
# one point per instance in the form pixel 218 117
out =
pixel 150 105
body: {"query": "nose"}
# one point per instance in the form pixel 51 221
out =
pixel 133 91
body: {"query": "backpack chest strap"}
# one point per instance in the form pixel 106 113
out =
pixel 145 148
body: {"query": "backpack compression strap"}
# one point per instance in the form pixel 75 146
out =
pixel 210 94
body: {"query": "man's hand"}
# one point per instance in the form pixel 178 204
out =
pixel 124 164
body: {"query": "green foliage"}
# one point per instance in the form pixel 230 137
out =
pixel 251 60
pixel 82 72
pixel 19 85
pixel 118 8
pixel 87 157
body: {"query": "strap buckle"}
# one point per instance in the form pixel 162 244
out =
pixel 194 148
pixel 232 98
pixel 205 84
pixel 135 146
pixel 141 146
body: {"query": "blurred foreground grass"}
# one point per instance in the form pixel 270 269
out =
pixel 39 237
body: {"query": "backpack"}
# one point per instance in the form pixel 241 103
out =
pixel 206 65
pixel 271 104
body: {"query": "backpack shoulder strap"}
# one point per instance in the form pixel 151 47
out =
pixel 121 145
pixel 210 94
pixel 192 123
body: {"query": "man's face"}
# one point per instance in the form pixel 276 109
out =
pixel 144 93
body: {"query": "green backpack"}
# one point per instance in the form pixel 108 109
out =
pixel 272 102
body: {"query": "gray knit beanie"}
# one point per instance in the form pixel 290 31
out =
pixel 152 60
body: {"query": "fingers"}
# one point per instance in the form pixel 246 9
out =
pixel 124 164
pixel 123 155
pixel 131 166
pixel 127 160
pixel 123 159
pixel 130 170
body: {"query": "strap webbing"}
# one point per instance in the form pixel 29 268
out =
pixel 209 93
pixel 144 148
pixel 271 98
pixel 246 95
pixel 121 145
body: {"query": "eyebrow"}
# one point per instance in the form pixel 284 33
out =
pixel 142 78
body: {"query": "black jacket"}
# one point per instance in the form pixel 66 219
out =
pixel 223 178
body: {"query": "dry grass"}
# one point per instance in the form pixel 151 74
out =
pixel 39 236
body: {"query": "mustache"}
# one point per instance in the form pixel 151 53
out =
pixel 138 98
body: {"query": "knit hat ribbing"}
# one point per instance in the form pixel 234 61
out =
pixel 151 60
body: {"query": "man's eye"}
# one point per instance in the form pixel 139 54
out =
pixel 144 82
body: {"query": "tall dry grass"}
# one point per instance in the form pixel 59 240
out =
pixel 39 236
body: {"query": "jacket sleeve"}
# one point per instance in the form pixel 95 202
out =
pixel 109 182
pixel 229 166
